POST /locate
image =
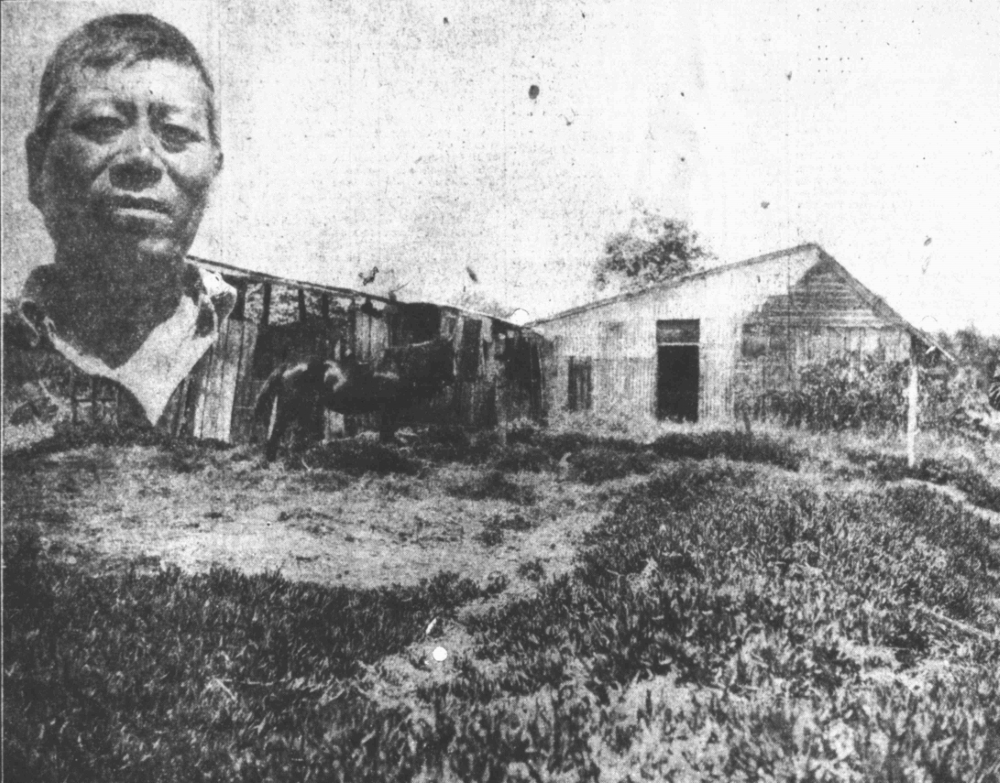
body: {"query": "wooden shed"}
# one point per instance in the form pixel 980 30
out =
pixel 276 319
pixel 689 349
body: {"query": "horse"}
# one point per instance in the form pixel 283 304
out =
pixel 296 393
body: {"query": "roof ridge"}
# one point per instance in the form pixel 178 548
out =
pixel 673 282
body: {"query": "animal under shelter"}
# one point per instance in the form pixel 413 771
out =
pixel 498 374
pixel 693 348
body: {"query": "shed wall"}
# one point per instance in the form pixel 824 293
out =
pixel 758 323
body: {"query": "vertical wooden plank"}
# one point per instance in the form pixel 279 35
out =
pixel 177 415
pixel 231 367
pixel 239 309
pixel 215 416
pixel 203 369
pixel 265 315
pixel 241 427
pixel 913 401
pixel 210 391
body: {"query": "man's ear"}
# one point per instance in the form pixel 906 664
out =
pixel 35 148
pixel 219 160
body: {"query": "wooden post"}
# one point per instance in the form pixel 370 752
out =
pixel 913 401
pixel 239 309
pixel 302 305
pixel 265 316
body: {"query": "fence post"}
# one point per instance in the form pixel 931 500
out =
pixel 913 401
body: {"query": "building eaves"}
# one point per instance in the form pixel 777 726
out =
pixel 675 283
pixel 336 291
pixel 873 300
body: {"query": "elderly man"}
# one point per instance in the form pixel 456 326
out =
pixel 120 163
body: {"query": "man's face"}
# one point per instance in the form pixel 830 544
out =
pixel 129 164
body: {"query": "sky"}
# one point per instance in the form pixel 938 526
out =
pixel 405 135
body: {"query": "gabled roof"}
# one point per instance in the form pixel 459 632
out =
pixel 881 309
pixel 676 282
pixel 872 300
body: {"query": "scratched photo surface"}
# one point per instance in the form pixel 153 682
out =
pixel 528 390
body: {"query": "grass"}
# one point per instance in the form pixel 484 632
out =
pixel 728 619
pixel 494 485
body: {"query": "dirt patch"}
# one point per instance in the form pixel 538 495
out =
pixel 107 507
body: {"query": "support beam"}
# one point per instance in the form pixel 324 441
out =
pixel 265 316
pixel 303 313
pixel 913 402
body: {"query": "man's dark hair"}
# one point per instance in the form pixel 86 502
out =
pixel 103 43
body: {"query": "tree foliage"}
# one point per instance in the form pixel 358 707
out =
pixel 653 250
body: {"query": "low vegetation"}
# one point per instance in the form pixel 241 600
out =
pixel 732 617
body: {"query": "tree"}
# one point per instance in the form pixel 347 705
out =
pixel 653 249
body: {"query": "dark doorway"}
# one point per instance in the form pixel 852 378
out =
pixel 677 382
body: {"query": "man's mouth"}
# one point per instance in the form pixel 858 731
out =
pixel 138 203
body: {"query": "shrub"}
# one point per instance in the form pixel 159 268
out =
pixel 355 457
pixel 520 458
pixel 837 395
pixel 492 533
pixel 955 473
pixel 597 464
pixel 442 443
pixel 738 446
pixel 493 485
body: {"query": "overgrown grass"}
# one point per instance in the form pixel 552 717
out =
pixel 710 444
pixel 957 473
pixel 724 622
pixel 70 437
pixel 356 457
pixel 494 485
pixel 174 678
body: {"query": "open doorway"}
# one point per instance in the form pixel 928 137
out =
pixel 678 370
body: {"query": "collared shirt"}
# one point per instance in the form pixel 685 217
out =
pixel 168 354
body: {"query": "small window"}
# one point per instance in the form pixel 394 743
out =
pixel 777 342
pixel 678 332
pixel 754 341
pixel 612 335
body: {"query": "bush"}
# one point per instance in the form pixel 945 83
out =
pixel 493 530
pixel 597 464
pixel 521 458
pixel 959 474
pixel 738 446
pixel 454 444
pixel 494 485
pixel 355 457
pixel 836 395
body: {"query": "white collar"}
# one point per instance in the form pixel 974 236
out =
pixel 166 357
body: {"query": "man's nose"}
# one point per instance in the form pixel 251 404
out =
pixel 137 166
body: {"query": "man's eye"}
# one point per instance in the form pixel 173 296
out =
pixel 99 128
pixel 178 137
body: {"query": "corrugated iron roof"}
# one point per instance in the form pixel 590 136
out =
pixel 343 293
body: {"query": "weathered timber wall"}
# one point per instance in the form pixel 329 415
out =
pixel 759 323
